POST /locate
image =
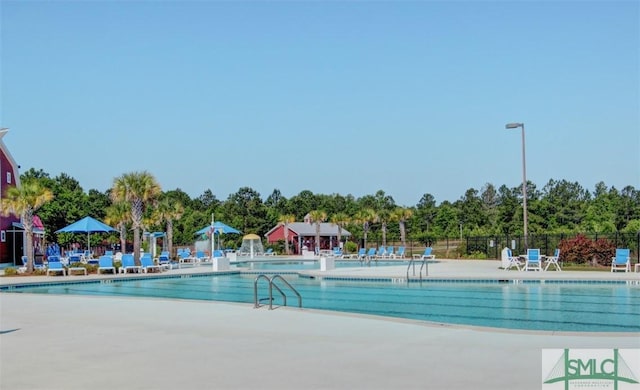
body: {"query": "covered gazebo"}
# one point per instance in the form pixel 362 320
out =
pixel 303 234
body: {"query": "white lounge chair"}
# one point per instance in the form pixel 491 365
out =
pixel 514 261
pixel 553 260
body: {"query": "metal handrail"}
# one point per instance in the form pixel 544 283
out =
pixel 284 297
pixel 271 283
pixel 424 264
pixel 256 302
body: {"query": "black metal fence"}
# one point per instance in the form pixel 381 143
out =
pixel 490 247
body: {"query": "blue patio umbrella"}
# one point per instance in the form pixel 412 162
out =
pixel 218 227
pixel 87 225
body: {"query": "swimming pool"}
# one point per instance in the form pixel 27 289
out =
pixel 532 305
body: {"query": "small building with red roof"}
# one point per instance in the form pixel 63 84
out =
pixel 303 234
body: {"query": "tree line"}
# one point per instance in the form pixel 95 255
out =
pixel 136 202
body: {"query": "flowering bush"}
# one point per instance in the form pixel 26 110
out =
pixel 582 250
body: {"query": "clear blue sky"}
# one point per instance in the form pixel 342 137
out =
pixel 331 97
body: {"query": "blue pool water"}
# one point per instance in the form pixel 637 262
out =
pixel 548 306
pixel 299 265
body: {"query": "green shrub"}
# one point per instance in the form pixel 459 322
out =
pixel 461 250
pixel 91 268
pixel 350 247
pixel 476 255
pixel 10 271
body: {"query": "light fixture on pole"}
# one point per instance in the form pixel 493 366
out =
pixel 524 181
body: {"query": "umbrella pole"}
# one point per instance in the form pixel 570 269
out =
pixel 213 237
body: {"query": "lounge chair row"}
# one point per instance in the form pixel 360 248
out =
pixel 186 258
pixel 371 254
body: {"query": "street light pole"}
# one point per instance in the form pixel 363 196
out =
pixel 524 182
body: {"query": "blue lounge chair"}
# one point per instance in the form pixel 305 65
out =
pixel 426 255
pixel 148 265
pixel 399 253
pixel 24 264
pixel 533 261
pixel 270 252
pixel 201 257
pixel 56 267
pixel 553 260
pixel 105 263
pixel 53 258
pixel 381 252
pixel 371 253
pixel 390 253
pixel 129 264
pixel 621 261
pixel 164 260
pixel 184 257
pixel 38 263
pixel 75 258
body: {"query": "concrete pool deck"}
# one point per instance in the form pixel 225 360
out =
pixel 84 342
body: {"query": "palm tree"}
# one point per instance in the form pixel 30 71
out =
pixel 23 202
pixel 285 220
pixel 365 217
pixel 384 216
pixel 168 211
pixel 402 215
pixel 118 215
pixel 138 189
pixel 340 220
pixel 317 217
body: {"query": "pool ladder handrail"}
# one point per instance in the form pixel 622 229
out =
pixel 424 265
pixel 256 302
